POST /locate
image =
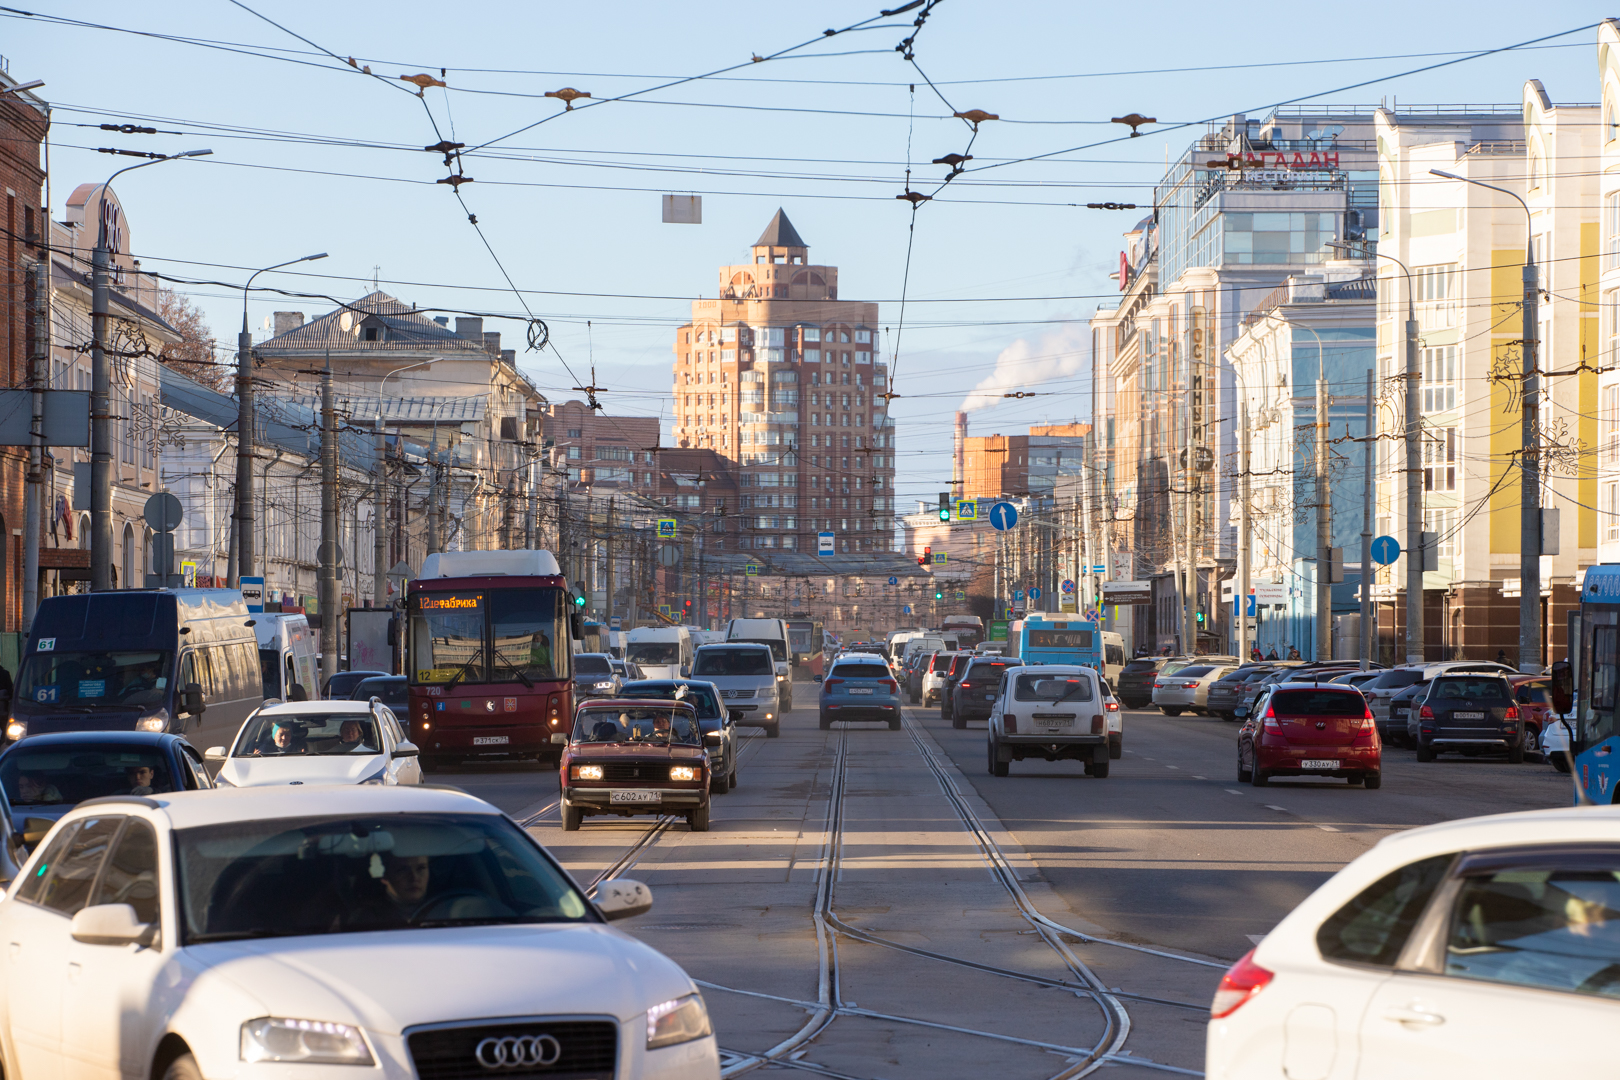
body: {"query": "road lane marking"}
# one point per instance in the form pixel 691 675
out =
pixel 1233 791
pixel 1200 778
pixel 1172 766
pixel 1325 828
pixel 1273 806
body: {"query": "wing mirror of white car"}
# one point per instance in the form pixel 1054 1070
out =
pixel 406 749
pixel 622 898
pixel 214 753
pixel 111 924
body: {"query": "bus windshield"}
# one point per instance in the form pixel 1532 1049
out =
pixel 488 636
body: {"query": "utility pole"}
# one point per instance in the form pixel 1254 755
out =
pixel 1189 599
pixel 1415 555
pixel 1243 536
pixel 330 551
pixel 607 592
pixel 100 426
pixel 1369 446
pixel 38 377
pixel 1530 468
pixel 244 453
pixel 379 532
pixel 1324 519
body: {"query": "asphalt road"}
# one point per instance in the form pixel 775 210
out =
pixel 870 903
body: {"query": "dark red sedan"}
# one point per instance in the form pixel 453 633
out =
pixel 635 756
pixel 1319 729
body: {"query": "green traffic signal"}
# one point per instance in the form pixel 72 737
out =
pixel 579 601
pixel 938 595
pixel 944 506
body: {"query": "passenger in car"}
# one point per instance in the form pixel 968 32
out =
pixel 351 738
pixel 287 739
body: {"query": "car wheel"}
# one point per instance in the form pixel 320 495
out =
pixel 1373 780
pixel 1244 775
pixel 1099 769
pixel 997 766
pixel 913 698
pixel 572 816
pixel 698 819
pixel 1560 761
pixel 719 785
pixel 1425 753
pixel 1258 776
pixel 894 725
pixel 183 1067
pixel 787 706
pixel 1516 753
pixel 1088 769
pixel 1169 712
pixel 774 731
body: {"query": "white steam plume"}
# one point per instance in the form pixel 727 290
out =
pixel 1024 366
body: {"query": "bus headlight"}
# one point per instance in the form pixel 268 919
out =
pixel 16 729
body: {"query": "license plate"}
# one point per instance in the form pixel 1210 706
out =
pixel 989 697
pixel 1468 716
pixel 633 797
pixel 1052 726
pixel 1318 763
pixel 490 740
pixel 860 689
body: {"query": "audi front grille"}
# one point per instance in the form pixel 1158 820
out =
pixel 515 1050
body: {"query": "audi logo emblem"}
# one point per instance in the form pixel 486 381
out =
pixel 517 1051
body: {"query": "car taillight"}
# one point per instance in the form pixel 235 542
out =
pixel 1010 722
pixel 1098 725
pixel 1241 982
pixel 832 682
pixel 965 685
pixel 1158 686
pixel 1513 712
pixel 1111 706
pixel 1367 723
pixel 890 685
pixel 1425 713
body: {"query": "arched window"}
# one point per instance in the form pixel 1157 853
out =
pixel 1537 169
pixel 131 561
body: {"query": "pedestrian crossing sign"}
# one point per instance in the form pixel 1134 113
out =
pixel 967 510
pixel 666 528
pixel 939 558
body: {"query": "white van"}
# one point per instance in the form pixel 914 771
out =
pixel 1113 656
pixel 287 657
pixel 772 632
pixel 662 652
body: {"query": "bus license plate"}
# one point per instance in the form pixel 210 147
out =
pixel 490 740
pixel 1318 763
pixel 860 689
pixel 633 797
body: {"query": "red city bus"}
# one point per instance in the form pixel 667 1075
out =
pixel 490 657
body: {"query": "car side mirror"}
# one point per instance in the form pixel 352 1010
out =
pixel 1241 711
pixel 818 678
pixel 733 716
pixel 622 898
pixel 214 753
pixel 191 700
pixel 111 924
pixel 406 749
pixel 35 828
pixel 1563 686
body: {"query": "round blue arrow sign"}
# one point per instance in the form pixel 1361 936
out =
pixel 1003 516
pixel 1385 550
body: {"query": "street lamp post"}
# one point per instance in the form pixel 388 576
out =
pixel 1529 452
pixel 245 434
pixel 101 390
pixel 1324 512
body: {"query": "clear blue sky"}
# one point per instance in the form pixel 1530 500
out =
pixel 572 206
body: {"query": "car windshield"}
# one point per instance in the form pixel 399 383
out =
pixel 699 696
pixel 859 671
pixel 54 775
pixel 1055 686
pixel 723 662
pixel 1472 689
pixel 390 691
pixel 1318 703
pixel 777 650
pixel 286 734
pixel 95 677
pixel 589 664
pixel 644 724
pixel 336 875
pixel 654 652
pixel 1194 672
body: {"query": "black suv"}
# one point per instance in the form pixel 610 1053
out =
pixel 1135 686
pixel 1472 713
pixel 974 695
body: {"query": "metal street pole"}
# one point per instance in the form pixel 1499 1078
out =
pixel 1242 598
pixel 38 379
pixel 101 388
pixel 379 516
pixel 329 550
pixel 245 432
pixel 1529 450
pixel 1368 447
pixel 1324 513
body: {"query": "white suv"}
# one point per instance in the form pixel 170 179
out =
pixel 1431 955
pixel 414 932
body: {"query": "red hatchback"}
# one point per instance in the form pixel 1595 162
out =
pixel 1316 729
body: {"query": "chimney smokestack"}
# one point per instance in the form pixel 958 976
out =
pixel 959 456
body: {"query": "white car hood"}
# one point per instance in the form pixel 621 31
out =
pixel 306 769
pixel 376 979
pixel 659 671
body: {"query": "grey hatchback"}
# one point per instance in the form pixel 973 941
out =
pixel 1471 713
pixel 860 687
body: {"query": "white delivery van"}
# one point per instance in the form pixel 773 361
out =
pixel 772 632
pixel 287 657
pixel 662 652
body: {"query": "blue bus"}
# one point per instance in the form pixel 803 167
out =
pixel 1595 659
pixel 1047 638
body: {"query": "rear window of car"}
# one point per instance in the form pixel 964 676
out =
pixel 1473 688
pixel 586 664
pixel 1318 703
pixel 988 669
pixel 391 691
pixel 1536 693
pixel 959 662
pixel 942 662
pixel 860 671
pixel 1194 672
pixel 1136 667
pixel 1053 687
pixel 1391 680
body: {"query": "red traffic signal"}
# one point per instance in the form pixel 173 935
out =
pixel 926 557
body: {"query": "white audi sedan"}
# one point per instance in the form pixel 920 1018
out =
pixel 410 932
pixel 1433 954
pixel 319 742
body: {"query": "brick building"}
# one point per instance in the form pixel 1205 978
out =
pixel 604 453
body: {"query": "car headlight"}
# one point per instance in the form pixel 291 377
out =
pixel 586 772
pixel 682 772
pixel 155 722
pixel 781 678
pixel 315 1042
pixel 602 686
pixel 16 729
pixel 677 1021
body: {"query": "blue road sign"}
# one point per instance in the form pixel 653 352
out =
pixel 824 543
pixel 905 610
pixel 1018 594
pixel 894 581
pixel 1003 515
pixel 967 510
pixel 1068 586
pixel 1249 608
pixel 1385 550
pixel 1034 594
pixel 666 528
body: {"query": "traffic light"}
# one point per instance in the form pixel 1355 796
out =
pixel 579 601
pixel 944 506
pixel 1200 618
pixel 939 594
pixel 926 557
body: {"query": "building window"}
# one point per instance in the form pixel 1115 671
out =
pixel 1611 231
pixel 1609 506
pixel 1440 459
pixel 1609 426
pixel 1442 521
pixel 574 433
pixel 1439 378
